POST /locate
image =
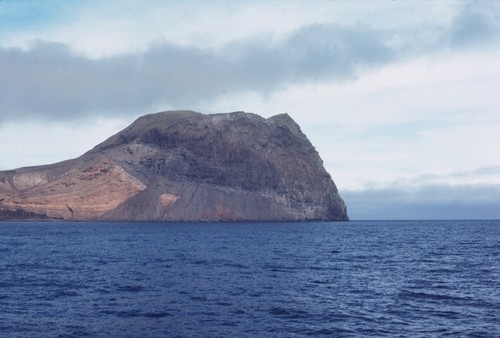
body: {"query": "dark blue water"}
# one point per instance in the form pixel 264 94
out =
pixel 357 279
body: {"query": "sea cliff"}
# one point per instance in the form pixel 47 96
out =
pixel 183 166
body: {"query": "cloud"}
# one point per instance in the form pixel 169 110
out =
pixel 477 23
pixel 426 201
pixel 50 80
pixel 475 176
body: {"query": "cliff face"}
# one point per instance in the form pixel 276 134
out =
pixel 183 166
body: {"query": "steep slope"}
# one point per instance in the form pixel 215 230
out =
pixel 184 166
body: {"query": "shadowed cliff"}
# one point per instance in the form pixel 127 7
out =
pixel 183 166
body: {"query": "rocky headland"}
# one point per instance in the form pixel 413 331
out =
pixel 183 166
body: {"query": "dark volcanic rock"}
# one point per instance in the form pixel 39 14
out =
pixel 20 214
pixel 185 166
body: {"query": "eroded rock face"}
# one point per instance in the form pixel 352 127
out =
pixel 184 166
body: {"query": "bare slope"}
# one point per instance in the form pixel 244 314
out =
pixel 183 166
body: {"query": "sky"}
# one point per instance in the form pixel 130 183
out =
pixel 400 98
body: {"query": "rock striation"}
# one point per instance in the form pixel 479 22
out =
pixel 183 166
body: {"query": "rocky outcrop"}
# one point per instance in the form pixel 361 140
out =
pixel 184 166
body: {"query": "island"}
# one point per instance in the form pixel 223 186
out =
pixel 183 166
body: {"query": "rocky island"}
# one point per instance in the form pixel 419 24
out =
pixel 183 166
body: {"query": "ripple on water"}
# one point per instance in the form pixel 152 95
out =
pixel 354 279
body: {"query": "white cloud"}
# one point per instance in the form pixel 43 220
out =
pixel 105 28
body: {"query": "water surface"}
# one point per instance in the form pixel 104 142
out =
pixel 356 279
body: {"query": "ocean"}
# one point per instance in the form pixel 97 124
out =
pixel 347 279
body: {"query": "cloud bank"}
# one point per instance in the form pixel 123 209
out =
pixel 425 202
pixel 51 81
